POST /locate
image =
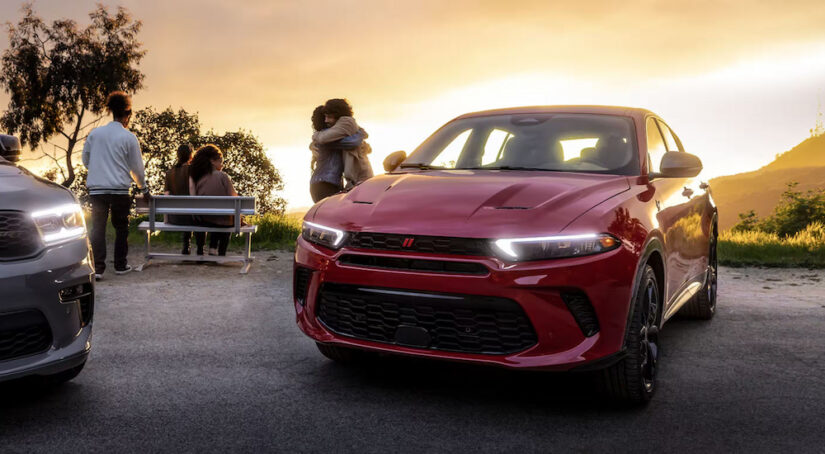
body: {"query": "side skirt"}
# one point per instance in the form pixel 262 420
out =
pixel 685 294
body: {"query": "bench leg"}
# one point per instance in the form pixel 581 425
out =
pixel 148 252
pixel 247 254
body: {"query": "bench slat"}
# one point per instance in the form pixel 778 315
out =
pixel 219 205
pixel 199 211
pixel 165 227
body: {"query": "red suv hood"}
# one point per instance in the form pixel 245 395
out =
pixel 468 203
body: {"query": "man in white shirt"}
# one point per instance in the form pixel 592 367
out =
pixel 112 156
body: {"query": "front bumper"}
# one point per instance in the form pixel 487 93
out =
pixel 537 287
pixel 34 285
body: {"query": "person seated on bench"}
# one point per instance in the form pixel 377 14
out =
pixel 207 178
pixel 177 183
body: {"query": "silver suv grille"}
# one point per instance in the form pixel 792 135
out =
pixel 18 236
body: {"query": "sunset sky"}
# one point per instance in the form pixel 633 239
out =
pixel 738 81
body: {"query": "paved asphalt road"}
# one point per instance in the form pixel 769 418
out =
pixel 197 358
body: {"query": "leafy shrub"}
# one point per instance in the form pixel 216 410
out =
pixel 794 213
pixel 747 222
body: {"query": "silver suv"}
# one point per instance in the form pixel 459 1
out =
pixel 46 284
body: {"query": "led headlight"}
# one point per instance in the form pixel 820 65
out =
pixel 325 236
pixel 552 247
pixel 60 224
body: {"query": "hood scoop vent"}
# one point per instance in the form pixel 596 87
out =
pixel 512 208
pixel 361 202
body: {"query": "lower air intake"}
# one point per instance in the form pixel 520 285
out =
pixel 579 305
pixel 23 333
pixel 300 286
pixel 435 321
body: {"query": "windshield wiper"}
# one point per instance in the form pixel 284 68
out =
pixel 504 168
pixel 421 165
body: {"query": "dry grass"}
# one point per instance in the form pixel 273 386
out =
pixel 754 248
pixel 274 232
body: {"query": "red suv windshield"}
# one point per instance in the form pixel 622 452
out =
pixel 558 142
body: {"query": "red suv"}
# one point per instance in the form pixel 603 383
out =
pixel 552 238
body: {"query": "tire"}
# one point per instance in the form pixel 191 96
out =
pixel 633 379
pixel 338 354
pixel 62 377
pixel 703 305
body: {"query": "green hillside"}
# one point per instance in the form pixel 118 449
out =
pixel 761 189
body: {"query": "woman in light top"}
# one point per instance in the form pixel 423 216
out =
pixel 206 177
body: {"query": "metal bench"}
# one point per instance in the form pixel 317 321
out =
pixel 197 206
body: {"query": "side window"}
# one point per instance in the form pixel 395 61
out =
pixel 450 154
pixel 670 141
pixel 656 147
pixel 494 146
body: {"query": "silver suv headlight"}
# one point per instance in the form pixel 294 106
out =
pixel 552 247
pixel 60 223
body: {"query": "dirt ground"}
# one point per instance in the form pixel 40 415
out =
pixel 773 287
pixel 198 280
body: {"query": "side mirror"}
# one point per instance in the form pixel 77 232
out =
pixel 10 148
pixel 394 160
pixel 678 164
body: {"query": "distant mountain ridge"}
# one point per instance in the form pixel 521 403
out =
pixel 761 189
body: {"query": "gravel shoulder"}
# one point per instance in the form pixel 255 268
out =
pixel 200 358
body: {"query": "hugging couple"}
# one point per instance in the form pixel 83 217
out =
pixel 339 152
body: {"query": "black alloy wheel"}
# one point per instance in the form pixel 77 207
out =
pixel 649 335
pixel 633 379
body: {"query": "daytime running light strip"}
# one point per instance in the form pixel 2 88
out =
pixel 506 245
pixel 339 234
pixel 59 210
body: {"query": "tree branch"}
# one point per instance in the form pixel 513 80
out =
pixel 79 121
pixel 43 47
pixel 57 146
pixel 52 157
pixel 93 122
pixel 56 161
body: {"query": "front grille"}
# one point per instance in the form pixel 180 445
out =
pixel 583 312
pixel 19 238
pixel 23 333
pixel 436 321
pixel 418 243
pixel 409 264
pixel 300 284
